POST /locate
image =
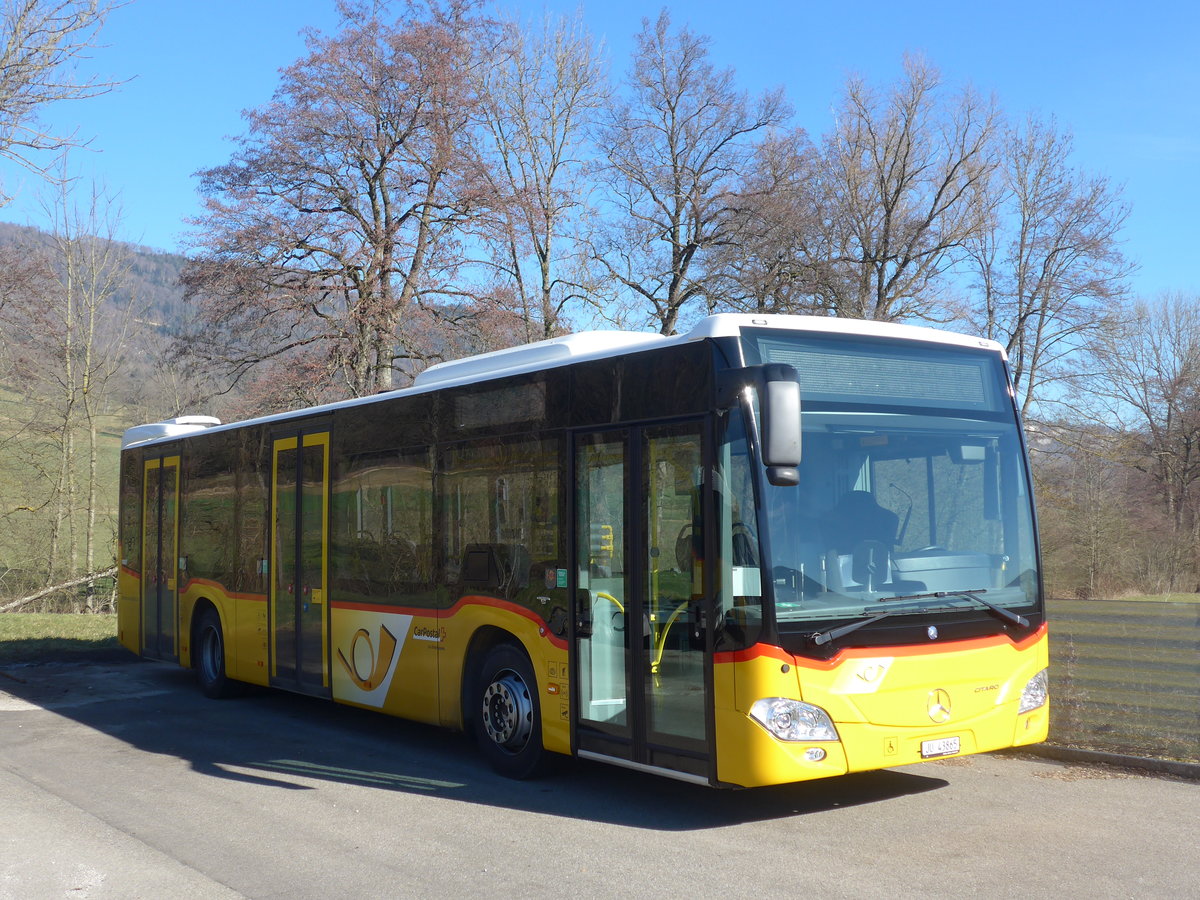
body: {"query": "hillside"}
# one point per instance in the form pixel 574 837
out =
pixel 45 477
pixel 153 275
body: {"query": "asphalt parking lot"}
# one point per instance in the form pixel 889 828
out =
pixel 120 780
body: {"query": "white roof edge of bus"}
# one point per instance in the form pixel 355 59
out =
pixel 731 325
pixel 180 425
pixel 570 348
pixel 531 357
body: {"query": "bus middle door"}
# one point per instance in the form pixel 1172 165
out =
pixel 641 652
pixel 298 593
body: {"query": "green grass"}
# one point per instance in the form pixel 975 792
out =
pixel 51 637
pixel 1163 598
pixel 1123 675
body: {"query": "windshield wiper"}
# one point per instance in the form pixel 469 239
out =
pixel 821 638
pixel 1006 614
pixel 824 637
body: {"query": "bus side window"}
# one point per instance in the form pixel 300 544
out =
pixel 500 528
pixel 382 537
pixel 131 512
pixel 739 584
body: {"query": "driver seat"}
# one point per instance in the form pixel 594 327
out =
pixel 857 518
pixel 861 535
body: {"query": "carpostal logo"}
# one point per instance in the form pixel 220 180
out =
pixel 368 659
pixel 433 635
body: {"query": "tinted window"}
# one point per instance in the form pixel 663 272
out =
pixel 382 530
pixel 501 532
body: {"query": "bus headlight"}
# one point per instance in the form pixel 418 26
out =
pixel 791 720
pixel 1036 693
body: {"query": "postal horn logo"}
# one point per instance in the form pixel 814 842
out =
pixel 368 665
pixel 939 706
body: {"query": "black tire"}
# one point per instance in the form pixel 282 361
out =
pixel 208 657
pixel 506 715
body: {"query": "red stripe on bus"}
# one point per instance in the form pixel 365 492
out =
pixel 462 603
pixel 205 582
pixel 772 652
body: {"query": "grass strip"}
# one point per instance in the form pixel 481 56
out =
pixel 57 637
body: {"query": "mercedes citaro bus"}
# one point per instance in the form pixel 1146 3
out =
pixel 772 549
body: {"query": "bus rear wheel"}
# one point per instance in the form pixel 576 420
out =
pixel 506 713
pixel 209 653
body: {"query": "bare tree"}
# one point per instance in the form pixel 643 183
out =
pixel 24 278
pixel 538 102
pixel 339 210
pixel 1144 384
pixel 673 151
pixel 69 339
pixel 898 172
pixel 1047 257
pixel 93 266
pixel 1088 529
pixel 41 45
pixel 775 246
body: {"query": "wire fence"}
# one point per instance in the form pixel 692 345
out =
pixel 1125 677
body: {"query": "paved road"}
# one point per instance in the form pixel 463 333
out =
pixel 119 780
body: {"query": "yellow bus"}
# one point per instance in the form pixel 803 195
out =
pixel 769 550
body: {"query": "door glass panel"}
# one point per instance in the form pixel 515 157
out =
pixel 283 544
pixel 299 583
pixel 152 573
pixel 675 696
pixel 161 549
pixel 311 566
pixel 170 557
pixel 603 589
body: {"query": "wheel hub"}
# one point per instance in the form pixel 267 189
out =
pixel 508 711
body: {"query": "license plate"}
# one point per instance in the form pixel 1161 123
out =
pixel 940 747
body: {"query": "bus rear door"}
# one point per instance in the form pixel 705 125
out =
pixel 160 555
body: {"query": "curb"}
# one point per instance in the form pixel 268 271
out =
pixel 1175 768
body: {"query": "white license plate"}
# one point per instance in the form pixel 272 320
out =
pixel 940 747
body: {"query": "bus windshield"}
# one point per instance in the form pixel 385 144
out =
pixel 913 493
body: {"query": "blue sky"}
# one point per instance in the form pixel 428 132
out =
pixel 1124 77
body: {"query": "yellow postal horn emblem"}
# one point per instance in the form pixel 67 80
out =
pixel 366 668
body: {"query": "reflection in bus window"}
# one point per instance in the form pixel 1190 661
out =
pixel 383 528
pixel 500 515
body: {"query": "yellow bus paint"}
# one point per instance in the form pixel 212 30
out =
pixel 880 702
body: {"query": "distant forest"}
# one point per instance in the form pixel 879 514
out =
pixel 151 280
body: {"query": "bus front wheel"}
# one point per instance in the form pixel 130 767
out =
pixel 506 713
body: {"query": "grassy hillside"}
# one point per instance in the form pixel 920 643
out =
pixel 30 422
pixel 29 468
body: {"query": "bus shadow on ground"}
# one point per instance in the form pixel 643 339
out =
pixel 296 743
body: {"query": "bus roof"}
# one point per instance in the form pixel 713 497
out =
pixel 572 348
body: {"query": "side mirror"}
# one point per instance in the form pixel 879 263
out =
pixel 779 396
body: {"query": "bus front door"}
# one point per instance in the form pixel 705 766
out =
pixel 298 591
pixel 641 644
pixel 160 552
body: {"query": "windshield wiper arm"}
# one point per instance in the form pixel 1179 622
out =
pixel 824 637
pixel 1006 614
